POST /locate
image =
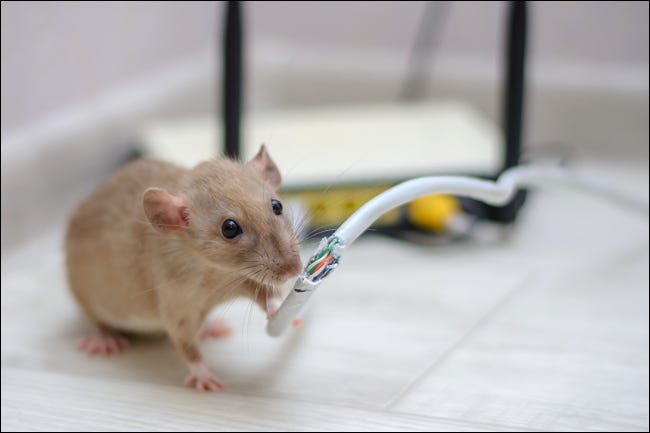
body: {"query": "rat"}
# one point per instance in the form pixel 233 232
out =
pixel 157 246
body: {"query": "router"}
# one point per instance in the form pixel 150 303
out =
pixel 334 159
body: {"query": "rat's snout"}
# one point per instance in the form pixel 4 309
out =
pixel 291 267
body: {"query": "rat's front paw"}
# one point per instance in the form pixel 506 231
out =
pixel 217 328
pixel 272 306
pixel 202 378
pixel 104 343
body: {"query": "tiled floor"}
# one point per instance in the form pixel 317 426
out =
pixel 547 330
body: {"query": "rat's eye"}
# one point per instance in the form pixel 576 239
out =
pixel 277 206
pixel 230 229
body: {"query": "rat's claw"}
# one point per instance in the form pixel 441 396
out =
pixel 112 347
pixel 202 379
pixel 103 344
pixel 201 385
pixel 217 328
pixel 122 343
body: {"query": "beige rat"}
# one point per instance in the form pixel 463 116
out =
pixel 156 247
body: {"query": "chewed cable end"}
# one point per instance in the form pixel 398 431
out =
pixel 320 265
pixel 324 261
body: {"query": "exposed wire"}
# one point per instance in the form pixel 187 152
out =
pixel 323 262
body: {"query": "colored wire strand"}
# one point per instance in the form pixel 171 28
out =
pixel 323 262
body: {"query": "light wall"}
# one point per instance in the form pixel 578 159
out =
pixel 58 55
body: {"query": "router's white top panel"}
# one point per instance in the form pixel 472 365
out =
pixel 346 144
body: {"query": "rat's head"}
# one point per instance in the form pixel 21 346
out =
pixel 230 214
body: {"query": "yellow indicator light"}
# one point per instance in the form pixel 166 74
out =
pixel 432 212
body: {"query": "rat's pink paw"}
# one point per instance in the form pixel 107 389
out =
pixel 202 379
pixel 102 344
pixel 297 323
pixel 217 328
pixel 272 306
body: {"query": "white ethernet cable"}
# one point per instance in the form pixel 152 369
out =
pixel 327 256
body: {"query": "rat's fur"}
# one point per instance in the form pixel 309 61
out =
pixel 145 252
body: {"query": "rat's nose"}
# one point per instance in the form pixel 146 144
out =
pixel 291 268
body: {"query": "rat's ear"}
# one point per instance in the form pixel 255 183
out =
pixel 266 168
pixel 166 212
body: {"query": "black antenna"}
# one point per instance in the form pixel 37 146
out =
pixel 513 108
pixel 514 84
pixel 232 79
pixel 513 114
